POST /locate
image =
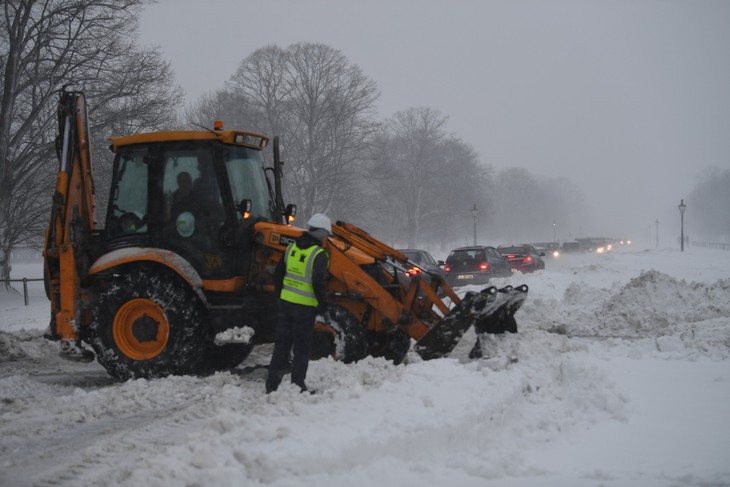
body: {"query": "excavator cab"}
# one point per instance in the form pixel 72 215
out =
pixel 185 196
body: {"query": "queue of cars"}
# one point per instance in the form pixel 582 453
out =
pixel 478 264
pixel 599 245
pixel 474 264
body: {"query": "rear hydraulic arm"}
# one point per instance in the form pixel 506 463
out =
pixel 72 219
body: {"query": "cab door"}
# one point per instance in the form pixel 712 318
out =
pixel 194 216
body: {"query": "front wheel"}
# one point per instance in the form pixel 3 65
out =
pixel 148 323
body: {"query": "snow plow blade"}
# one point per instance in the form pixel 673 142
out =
pixel 490 311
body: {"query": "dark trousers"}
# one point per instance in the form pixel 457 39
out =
pixel 294 326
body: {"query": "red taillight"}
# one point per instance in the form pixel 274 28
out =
pixel 483 266
pixel 527 260
pixel 447 268
pixel 413 271
pixel 510 256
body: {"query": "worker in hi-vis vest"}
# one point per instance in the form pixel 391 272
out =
pixel 300 279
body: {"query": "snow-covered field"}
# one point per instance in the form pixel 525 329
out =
pixel 622 378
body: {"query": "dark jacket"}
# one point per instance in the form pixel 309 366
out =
pixel 320 271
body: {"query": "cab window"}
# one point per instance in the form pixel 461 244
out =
pixel 128 208
pixel 246 176
pixel 193 203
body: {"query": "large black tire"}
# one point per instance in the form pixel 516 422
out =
pixel 148 322
pixel 345 339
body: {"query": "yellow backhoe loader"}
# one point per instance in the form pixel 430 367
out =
pixel 194 228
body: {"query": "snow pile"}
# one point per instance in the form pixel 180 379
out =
pixel 654 304
pixel 679 314
pixel 235 335
pixel 24 344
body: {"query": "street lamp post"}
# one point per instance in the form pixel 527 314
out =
pixel 657 233
pixel 555 237
pixel 682 207
pixel 474 213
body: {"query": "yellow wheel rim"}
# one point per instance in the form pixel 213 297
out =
pixel 141 329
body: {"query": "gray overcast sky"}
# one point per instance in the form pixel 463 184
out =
pixel 629 99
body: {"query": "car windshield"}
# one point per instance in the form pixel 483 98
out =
pixel 466 254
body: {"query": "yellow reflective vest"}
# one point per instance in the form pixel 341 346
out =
pixel 297 286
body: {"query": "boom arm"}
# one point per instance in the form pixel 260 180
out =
pixel 489 311
pixel 72 221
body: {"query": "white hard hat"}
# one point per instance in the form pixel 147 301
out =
pixel 320 221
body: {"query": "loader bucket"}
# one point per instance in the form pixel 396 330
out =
pixel 490 311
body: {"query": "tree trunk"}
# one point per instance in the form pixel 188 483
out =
pixel 5 268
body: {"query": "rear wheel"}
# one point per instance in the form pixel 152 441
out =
pixel 148 323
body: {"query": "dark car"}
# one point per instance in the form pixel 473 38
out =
pixel 523 258
pixel 424 260
pixel 475 265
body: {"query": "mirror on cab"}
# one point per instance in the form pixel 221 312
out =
pixel 290 213
pixel 244 208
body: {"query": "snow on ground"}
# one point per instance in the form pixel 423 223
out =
pixel 622 378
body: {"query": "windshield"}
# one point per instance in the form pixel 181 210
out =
pixel 248 181
pixel 466 255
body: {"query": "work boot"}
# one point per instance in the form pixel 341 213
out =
pixel 303 388
pixel 272 382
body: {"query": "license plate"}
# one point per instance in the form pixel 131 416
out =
pixel 465 276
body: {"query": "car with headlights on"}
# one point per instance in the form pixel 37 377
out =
pixel 550 249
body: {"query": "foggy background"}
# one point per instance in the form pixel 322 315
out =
pixel 627 99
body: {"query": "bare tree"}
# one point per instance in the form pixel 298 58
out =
pixel 322 106
pixel 427 179
pixel 86 44
pixel 234 110
pixel 262 84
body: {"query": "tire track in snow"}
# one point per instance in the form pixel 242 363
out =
pixel 80 433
